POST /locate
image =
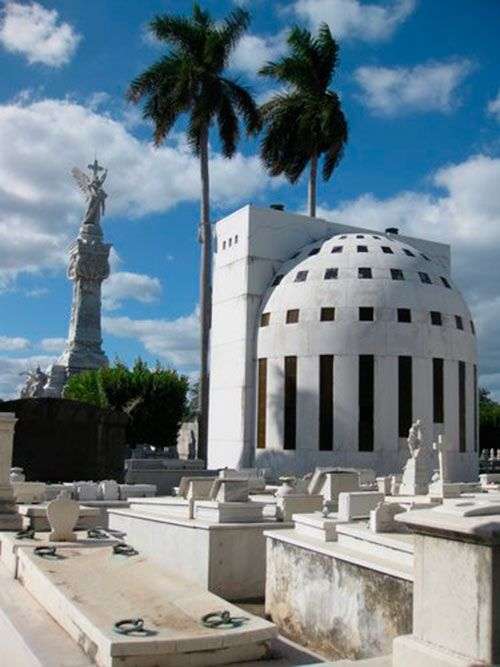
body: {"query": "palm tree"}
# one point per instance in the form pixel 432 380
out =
pixel 189 79
pixel 305 121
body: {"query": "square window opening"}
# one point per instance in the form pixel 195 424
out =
pixel 364 273
pixel 327 314
pixel 366 314
pixel 292 316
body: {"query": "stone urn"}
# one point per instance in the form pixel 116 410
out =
pixel 62 514
pixel 17 475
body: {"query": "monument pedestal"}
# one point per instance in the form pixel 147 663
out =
pixel 9 518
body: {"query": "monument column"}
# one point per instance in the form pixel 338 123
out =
pixel 9 518
pixel 88 267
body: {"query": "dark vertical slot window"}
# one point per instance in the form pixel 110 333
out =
pixel 438 390
pixel 461 407
pixel 366 392
pixel 405 395
pixel 290 416
pixel 262 404
pixel 475 409
pixel 326 402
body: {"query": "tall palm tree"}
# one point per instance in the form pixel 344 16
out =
pixel 305 121
pixel 189 79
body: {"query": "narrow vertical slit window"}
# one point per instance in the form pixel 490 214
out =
pixel 262 404
pixel 461 407
pixel 326 402
pixel 405 395
pixel 366 402
pixel 290 406
pixel 438 390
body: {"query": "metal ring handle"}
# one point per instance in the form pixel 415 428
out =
pixel 128 626
pixel 45 552
pixel 26 534
pixel 124 549
pixel 222 619
pixel 97 534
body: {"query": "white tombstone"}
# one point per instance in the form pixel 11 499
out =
pixel 9 518
pixel 382 518
pixel 384 485
pixel 28 493
pixel 53 490
pixel 442 487
pixel 418 469
pixel 109 490
pixel 358 504
pixel 87 491
pixel 62 514
pixel 229 490
pixel 255 481
pixel 137 491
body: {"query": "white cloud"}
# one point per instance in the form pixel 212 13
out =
pixel 39 204
pixel 12 373
pixel 467 215
pixel 53 345
pixel 8 344
pixel 430 87
pixel 175 341
pixel 353 19
pixel 254 51
pixel 125 285
pixel 37 33
pixel 493 107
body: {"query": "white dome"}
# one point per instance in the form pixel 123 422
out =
pixel 382 292
pixel 392 282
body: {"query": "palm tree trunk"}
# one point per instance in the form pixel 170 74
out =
pixel 311 195
pixel 205 238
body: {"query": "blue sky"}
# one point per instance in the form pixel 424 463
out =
pixel 420 86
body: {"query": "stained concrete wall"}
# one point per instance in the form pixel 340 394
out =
pixel 335 607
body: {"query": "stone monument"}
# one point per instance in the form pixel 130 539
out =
pixel 88 267
pixel 9 518
pixel 418 468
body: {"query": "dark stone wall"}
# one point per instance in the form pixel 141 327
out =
pixel 337 608
pixel 59 440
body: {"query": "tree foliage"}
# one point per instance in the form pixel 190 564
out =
pixel 489 410
pixel 154 399
pixel 305 121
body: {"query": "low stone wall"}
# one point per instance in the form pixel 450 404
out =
pixel 333 606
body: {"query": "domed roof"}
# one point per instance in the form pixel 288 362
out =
pixel 354 271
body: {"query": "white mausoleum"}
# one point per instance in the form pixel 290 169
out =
pixel 328 341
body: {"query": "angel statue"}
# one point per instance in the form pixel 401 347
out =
pixel 93 191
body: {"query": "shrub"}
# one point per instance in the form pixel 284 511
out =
pixel 154 399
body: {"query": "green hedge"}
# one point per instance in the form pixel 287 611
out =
pixel 155 399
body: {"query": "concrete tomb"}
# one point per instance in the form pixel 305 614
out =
pixel 456 604
pixel 9 517
pixel 83 591
pixel 339 588
pixel 441 487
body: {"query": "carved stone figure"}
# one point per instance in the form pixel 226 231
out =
pixel 88 267
pixel 418 469
pixel 35 382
